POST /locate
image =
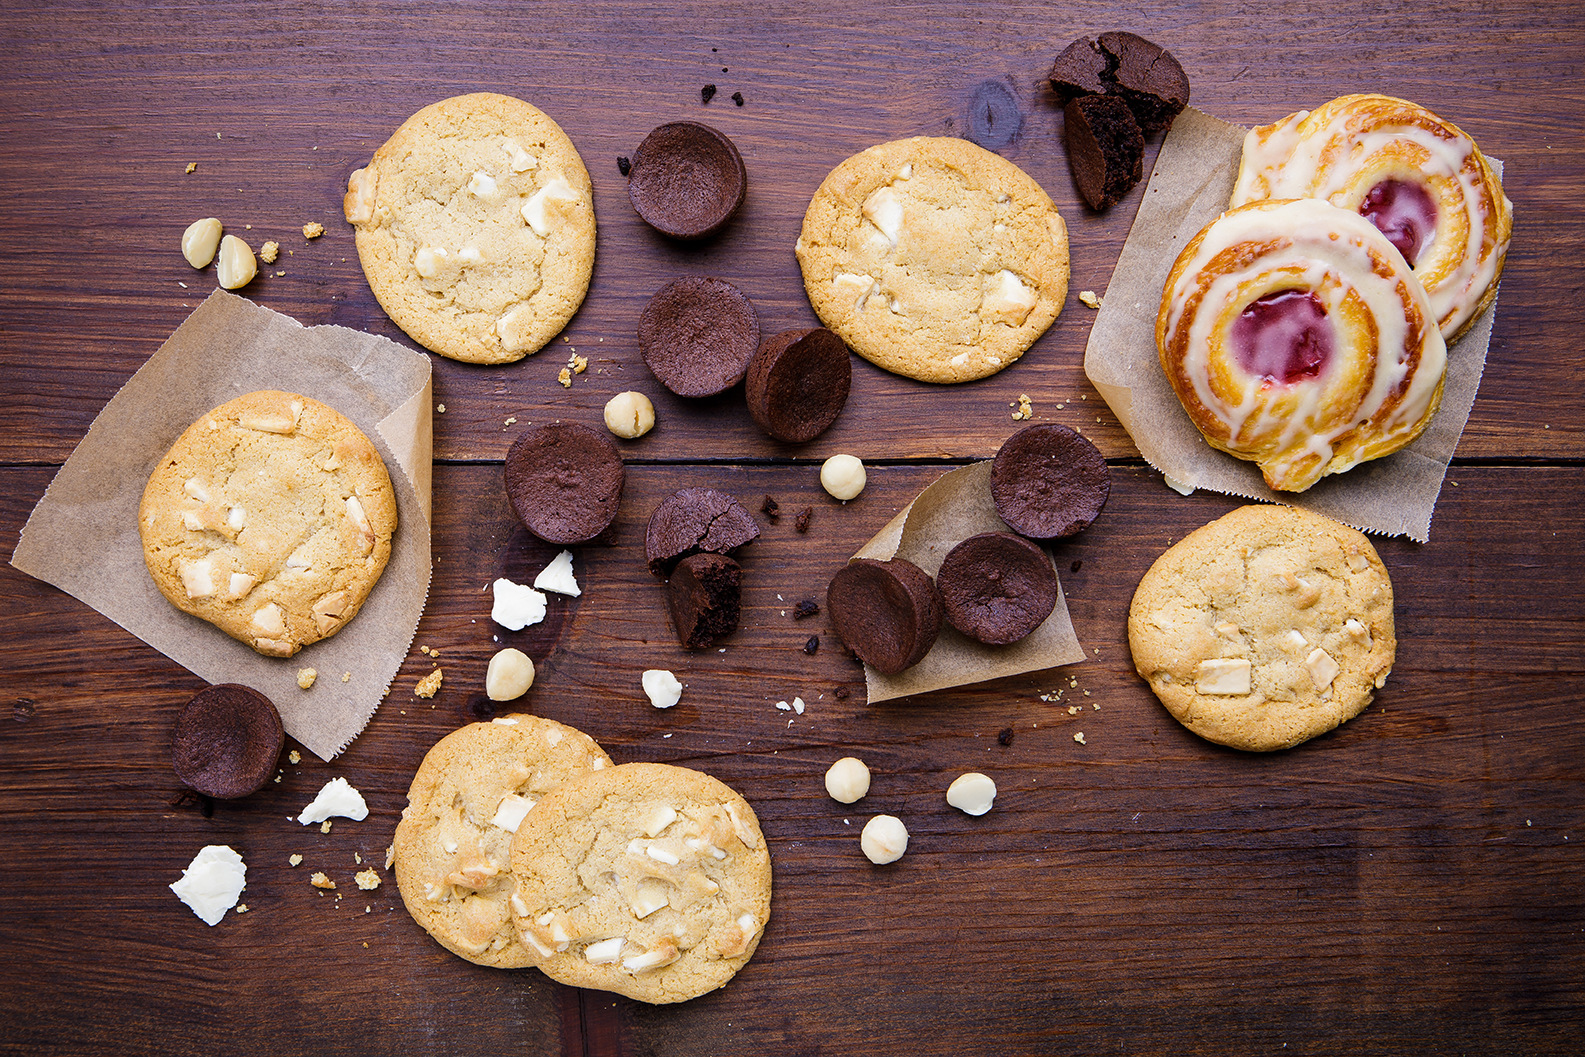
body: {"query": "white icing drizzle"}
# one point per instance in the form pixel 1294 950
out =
pixel 1298 244
pixel 1342 150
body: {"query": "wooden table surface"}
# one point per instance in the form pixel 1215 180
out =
pixel 1409 882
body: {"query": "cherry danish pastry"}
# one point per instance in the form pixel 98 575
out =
pixel 1297 338
pixel 1418 178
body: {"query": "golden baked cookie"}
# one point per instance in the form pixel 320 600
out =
pixel 1418 178
pixel 453 847
pixel 934 258
pixel 1264 628
pixel 475 227
pixel 270 517
pixel 645 879
pixel 1296 338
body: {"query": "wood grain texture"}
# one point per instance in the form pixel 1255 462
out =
pixel 1407 882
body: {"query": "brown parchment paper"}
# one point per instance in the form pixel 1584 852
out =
pixel 1190 187
pixel 958 505
pixel 83 535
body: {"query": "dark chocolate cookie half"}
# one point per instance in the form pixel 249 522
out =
pixel 797 383
pixel 1048 482
pixel 996 587
pixel 704 595
pixel 1147 78
pixel 1080 70
pixel 697 335
pixel 565 482
pixel 887 613
pixel 227 741
pixel 695 520
pixel 686 180
pixel 1106 149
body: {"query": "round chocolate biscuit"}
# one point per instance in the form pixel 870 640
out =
pixel 693 521
pixel 1048 482
pixel 697 335
pixel 997 587
pixel 686 180
pixel 797 383
pixel 887 613
pixel 227 740
pixel 565 482
pixel 704 595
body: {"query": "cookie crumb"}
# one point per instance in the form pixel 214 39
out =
pixel 841 693
pixel 807 608
pixel 1089 299
pixel 241 908
pixel 1004 737
pixel 346 677
pixel 579 364
pixel 192 166
pixel 812 645
pixel 294 757
pixel 313 229
pixel 428 684
pixel 737 97
pixel 390 856
pixel 707 93
pixel 306 677
pixel 771 509
pixel 324 827
pixel 367 880
pixel 319 880
pixel 510 421
pixel 269 251
pixel 1079 737
pixel 294 859
pixel 801 522
pixel 565 377
pixel 440 409
pixel 1023 409
pixel 623 165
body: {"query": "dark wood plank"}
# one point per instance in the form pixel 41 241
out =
pixel 1409 877
pixel 278 103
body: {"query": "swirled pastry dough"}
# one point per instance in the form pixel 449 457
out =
pixel 1296 337
pixel 1417 177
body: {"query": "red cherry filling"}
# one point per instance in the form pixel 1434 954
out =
pixel 1283 336
pixel 1404 212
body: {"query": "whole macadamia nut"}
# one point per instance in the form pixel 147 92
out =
pixel 884 839
pixel 629 415
pixel 848 780
pixel 972 793
pixel 510 674
pixel 842 476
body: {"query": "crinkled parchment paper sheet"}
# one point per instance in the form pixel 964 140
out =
pixel 958 505
pixel 1190 187
pixel 83 535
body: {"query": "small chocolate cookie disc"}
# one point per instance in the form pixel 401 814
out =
pixel 686 180
pixel 996 587
pixel 693 521
pixel 227 741
pixel 797 383
pixel 1147 77
pixel 704 595
pixel 1048 482
pixel 565 482
pixel 888 613
pixel 697 335
pixel 1106 149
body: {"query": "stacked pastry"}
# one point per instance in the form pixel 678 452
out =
pixel 1305 329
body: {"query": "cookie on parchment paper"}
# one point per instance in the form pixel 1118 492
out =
pixel 934 258
pixel 271 517
pixel 645 879
pixel 475 227
pixel 1265 628
pixel 453 847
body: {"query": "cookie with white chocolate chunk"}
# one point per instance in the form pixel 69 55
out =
pixel 934 258
pixel 646 879
pixel 270 517
pixel 1265 628
pixel 475 227
pixel 453 847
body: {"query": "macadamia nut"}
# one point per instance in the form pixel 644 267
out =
pixel 842 476
pixel 629 415
pixel 237 266
pixel 884 839
pixel 972 793
pixel 510 674
pixel 848 780
pixel 200 241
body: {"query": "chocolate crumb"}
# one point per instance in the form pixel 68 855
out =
pixel 1075 566
pixel 801 522
pixel 812 645
pixel 807 608
pixel 1004 737
pixel 841 693
pixel 771 509
pixel 737 97
pixel 707 93
pixel 624 164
